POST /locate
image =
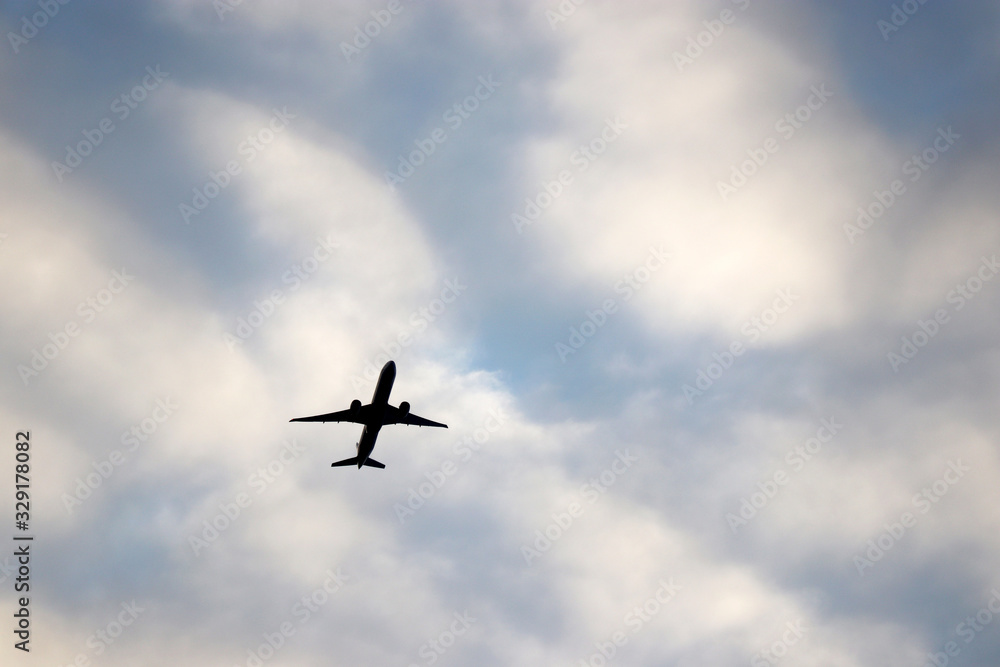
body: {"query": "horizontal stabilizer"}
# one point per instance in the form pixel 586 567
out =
pixel 353 461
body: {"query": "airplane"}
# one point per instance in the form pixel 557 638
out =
pixel 373 416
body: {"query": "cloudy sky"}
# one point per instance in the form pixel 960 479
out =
pixel 705 292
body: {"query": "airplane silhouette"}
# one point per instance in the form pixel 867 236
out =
pixel 373 416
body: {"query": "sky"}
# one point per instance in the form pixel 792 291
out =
pixel 706 294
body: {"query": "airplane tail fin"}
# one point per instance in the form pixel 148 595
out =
pixel 373 463
pixel 353 461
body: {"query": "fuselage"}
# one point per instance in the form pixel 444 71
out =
pixel 380 399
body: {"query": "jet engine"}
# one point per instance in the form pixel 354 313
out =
pixel 404 409
pixel 355 407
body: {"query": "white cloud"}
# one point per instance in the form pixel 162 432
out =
pixel 658 181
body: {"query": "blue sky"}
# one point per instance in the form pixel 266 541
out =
pixel 698 412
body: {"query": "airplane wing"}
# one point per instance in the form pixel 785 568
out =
pixel 397 416
pixel 358 417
